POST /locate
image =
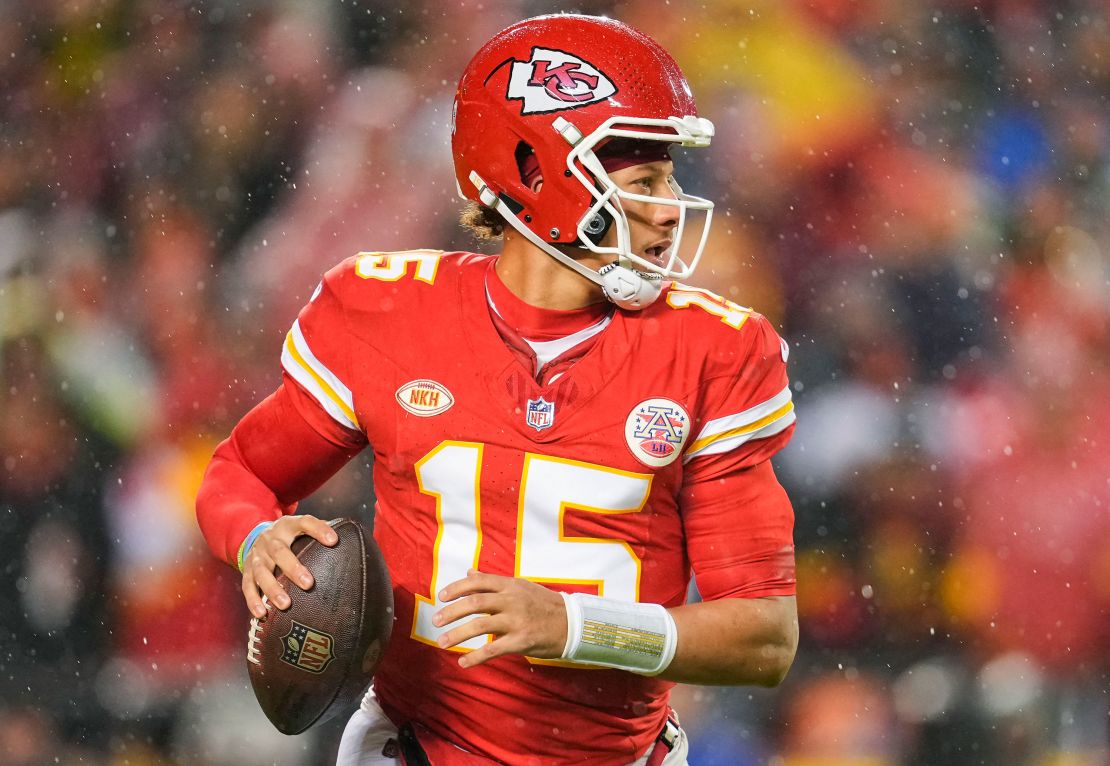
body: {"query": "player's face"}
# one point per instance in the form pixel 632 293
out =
pixel 651 226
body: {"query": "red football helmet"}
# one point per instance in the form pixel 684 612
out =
pixel 561 86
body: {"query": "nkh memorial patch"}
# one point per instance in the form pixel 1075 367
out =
pixel 424 398
pixel 540 413
pixel 656 430
pixel 307 649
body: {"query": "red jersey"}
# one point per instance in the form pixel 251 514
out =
pixel 607 480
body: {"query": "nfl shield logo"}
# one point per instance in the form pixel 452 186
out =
pixel 540 414
pixel 307 649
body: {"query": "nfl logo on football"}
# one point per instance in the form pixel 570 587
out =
pixel 540 414
pixel 307 649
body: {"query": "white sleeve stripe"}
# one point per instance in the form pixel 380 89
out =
pixel 318 367
pixel 318 380
pixel 312 385
pixel 730 443
pixel 747 417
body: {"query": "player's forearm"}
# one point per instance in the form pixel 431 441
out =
pixel 231 501
pixel 734 641
pixel 272 459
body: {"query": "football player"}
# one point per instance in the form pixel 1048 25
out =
pixel 561 433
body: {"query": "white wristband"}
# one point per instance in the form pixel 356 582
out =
pixel 625 635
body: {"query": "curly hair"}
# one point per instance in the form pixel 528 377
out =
pixel 481 221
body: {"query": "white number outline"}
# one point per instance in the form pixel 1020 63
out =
pixel 732 314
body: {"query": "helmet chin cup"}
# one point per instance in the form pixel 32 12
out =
pixel 629 289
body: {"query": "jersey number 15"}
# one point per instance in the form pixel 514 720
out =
pixel 544 553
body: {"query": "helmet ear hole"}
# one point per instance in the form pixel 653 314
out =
pixel 528 165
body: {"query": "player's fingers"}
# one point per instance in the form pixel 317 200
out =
pixel 289 528
pixel 474 582
pixel 268 584
pixel 252 596
pixel 479 626
pixel 480 603
pixel 318 529
pixel 288 563
pixel 458 589
pixel 487 652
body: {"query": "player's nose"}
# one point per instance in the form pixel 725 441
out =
pixel 664 216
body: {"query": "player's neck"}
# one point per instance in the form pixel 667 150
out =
pixel 539 280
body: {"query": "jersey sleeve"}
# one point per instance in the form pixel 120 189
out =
pixel 315 359
pixel 740 534
pixel 747 413
pixel 738 520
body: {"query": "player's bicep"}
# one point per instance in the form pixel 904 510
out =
pixel 739 533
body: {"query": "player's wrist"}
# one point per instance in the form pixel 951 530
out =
pixel 248 541
pixel 626 635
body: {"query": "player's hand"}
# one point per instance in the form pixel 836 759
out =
pixel 523 617
pixel 271 555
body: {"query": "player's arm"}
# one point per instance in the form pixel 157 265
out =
pixel 739 526
pixel 735 642
pixel 739 537
pixel 272 459
pixel 730 642
pixel 284 449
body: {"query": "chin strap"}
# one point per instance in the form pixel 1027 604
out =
pixel 628 288
pixel 622 285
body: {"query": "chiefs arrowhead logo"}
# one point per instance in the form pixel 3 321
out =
pixel 554 80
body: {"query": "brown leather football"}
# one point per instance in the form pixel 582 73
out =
pixel 317 657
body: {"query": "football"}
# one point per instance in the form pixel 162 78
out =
pixel 317 657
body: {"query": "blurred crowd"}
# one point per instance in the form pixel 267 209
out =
pixel 918 194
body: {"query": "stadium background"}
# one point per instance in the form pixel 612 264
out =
pixel 917 193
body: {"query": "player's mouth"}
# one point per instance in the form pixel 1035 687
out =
pixel 657 252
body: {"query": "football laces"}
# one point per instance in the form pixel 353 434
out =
pixel 253 639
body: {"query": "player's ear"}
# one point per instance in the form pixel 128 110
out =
pixel 536 185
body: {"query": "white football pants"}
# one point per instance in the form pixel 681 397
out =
pixel 369 730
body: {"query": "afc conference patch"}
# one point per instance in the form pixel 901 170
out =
pixel 540 413
pixel 656 431
pixel 307 649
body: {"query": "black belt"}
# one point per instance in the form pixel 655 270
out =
pixel 665 742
